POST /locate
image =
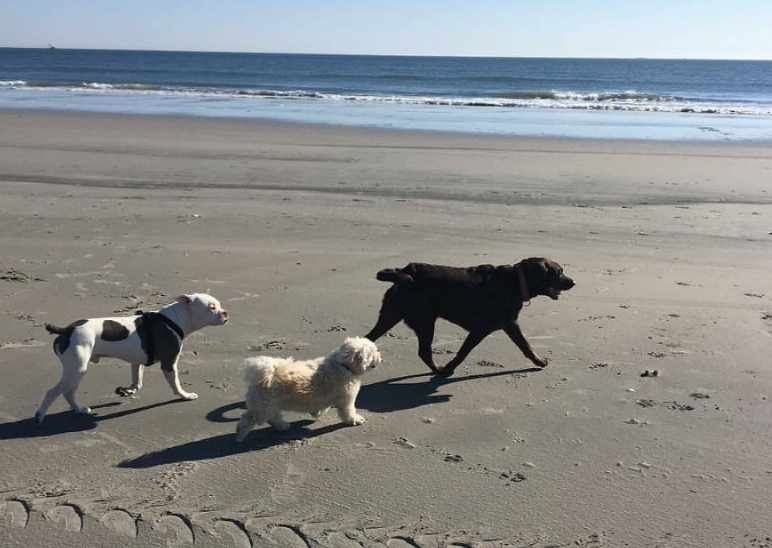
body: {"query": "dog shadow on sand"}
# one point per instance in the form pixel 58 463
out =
pixel 397 395
pixel 67 422
pixel 225 445
pixel 381 397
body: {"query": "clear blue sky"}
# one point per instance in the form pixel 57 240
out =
pixel 714 29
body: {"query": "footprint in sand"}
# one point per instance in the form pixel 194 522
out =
pixel 510 476
pixel 13 275
pixel 591 541
pixel 67 515
pixel 675 406
pixel 178 530
pixel 15 513
pixel 270 345
pixel 288 490
pixel 121 522
pixel 287 536
pixel 404 442
pixel 340 540
pixel 236 531
pixel 401 542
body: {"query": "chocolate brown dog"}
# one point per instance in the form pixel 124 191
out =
pixel 481 299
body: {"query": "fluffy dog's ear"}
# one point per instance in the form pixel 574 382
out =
pixel 358 354
pixel 360 359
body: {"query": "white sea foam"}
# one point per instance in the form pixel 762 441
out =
pixel 629 100
pixel 96 85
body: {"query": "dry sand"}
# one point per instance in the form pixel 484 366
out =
pixel 287 225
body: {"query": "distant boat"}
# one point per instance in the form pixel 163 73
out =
pixel 51 47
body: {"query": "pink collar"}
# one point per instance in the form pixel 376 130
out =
pixel 523 285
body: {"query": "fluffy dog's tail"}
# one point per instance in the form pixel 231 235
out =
pixel 54 330
pixel 259 370
pixel 393 275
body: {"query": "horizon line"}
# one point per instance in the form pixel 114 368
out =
pixel 481 56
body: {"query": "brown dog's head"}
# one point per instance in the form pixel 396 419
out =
pixel 544 277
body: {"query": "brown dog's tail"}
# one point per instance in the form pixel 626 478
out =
pixel 394 275
pixel 54 330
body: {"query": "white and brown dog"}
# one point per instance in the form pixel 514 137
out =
pixel 141 340
pixel 310 386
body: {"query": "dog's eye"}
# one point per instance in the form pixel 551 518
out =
pixel 212 307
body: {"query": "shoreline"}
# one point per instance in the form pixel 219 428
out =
pixel 11 111
pixel 536 123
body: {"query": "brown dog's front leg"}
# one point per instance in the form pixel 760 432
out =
pixel 513 330
pixel 473 339
pixel 424 330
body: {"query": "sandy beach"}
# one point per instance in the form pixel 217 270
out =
pixel 669 244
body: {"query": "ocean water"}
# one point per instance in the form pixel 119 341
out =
pixel 602 98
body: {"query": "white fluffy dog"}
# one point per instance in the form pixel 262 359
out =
pixel 308 386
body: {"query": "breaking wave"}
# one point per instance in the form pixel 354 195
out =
pixel 545 99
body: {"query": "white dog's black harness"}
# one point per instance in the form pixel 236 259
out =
pixel 150 320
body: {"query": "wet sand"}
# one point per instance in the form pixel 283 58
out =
pixel 287 225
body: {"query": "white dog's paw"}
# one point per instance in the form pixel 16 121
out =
pixel 356 420
pixel 320 412
pixel 82 410
pixel 281 426
pixel 39 417
pixel 126 391
pixel 188 396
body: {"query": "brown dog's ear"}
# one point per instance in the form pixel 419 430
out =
pixel 535 262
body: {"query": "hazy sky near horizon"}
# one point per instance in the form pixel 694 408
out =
pixel 703 29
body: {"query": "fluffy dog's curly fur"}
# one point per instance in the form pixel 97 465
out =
pixel 309 386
